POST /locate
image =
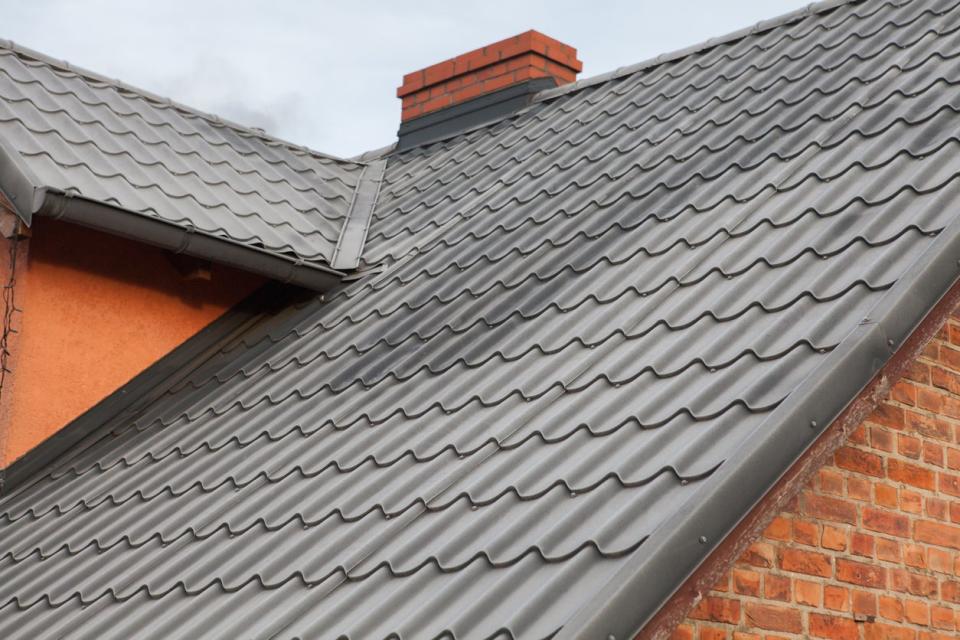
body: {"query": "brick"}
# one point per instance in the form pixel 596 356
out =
pixel 942 617
pixel 926 425
pixel 746 582
pixel 939 560
pixel 712 633
pixel 888 550
pixel 865 575
pixel 831 481
pixel 890 416
pixel 914 556
pixel 776 588
pixel 836 598
pixel 946 380
pixel 929 399
pixel 859 461
pixel 935 533
pixel 827 508
pixel 933 453
pixel 881 631
pixel 862 544
pixel 806 592
pixel 886 495
pixel 904 392
pixel 836 628
pixel 888 522
pixel 683 632
pixel 717 609
pixel 913 583
pixel 916 611
pixel 833 538
pixel 859 488
pixel 890 608
pixel 778 529
pixel 808 562
pixel 773 618
pixel 759 554
pixel 806 532
pixel 950 591
pixel 908 446
pixel 935 508
pixel 950 484
pixel 911 501
pixel 918 372
pixel 863 602
pixel 953 458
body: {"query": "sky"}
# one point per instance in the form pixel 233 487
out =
pixel 324 74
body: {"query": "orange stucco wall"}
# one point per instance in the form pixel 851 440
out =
pixel 92 311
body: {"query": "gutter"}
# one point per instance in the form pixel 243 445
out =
pixel 21 186
pixel 678 547
pixel 61 205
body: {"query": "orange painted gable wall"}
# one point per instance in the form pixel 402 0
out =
pixel 90 312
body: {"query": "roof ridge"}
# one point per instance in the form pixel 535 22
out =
pixel 760 27
pixel 254 132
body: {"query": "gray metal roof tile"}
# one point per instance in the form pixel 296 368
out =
pixel 74 132
pixel 587 314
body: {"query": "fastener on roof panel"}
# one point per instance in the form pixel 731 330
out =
pixel 482 85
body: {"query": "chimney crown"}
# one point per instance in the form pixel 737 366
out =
pixel 522 58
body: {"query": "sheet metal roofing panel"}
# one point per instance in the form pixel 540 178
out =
pixel 587 313
pixel 76 132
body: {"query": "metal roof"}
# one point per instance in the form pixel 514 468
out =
pixel 170 168
pixel 601 330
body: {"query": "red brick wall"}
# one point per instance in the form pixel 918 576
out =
pixel 871 547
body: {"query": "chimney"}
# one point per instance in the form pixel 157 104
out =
pixel 481 86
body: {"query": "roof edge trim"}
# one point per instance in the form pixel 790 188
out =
pixel 141 390
pixel 760 27
pixel 353 234
pixel 677 547
pixel 94 214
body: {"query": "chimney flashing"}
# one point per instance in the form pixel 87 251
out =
pixel 476 87
pixel 470 115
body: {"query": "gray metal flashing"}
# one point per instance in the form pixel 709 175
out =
pixel 166 235
pixel 469 115
pixel 680 544
pixel 19 184
pixel 349 247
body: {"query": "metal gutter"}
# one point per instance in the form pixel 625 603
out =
pixel 677 547
pixel 61 205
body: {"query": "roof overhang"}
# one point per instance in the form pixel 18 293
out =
pixel 30 198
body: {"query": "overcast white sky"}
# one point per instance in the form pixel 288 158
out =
pixel 324 74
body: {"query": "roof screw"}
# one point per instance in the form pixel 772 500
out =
pixel 890 342
pixel 813 424
pixel 703 539
pixel 611 637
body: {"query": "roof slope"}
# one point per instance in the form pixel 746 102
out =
pixel 68 130
pixel 607 326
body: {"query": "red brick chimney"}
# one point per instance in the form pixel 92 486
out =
pixel 527 63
